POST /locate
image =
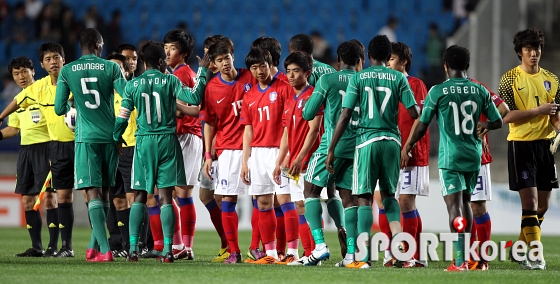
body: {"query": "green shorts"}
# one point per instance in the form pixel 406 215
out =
pixel 158 161
pixel 318 175
pixel 455 181
pixel 95 165
pixel 376 160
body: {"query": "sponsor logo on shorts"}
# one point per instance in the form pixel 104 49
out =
pixel 80 181
pixel 451 187
pixel 317 178
pixel 137 183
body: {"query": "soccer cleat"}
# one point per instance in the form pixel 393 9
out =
pixel 31 252
pixel 524 264
pixel 343 263
pixel 91 253
pixel 462 267
pixel 482 265
pixel 167 258
pixel 190 254
pixel 318 255
pixel 64 252
pixel 287 259
pixel 233 258
pixel 421 263
pixel 399 263
pixel 102 257
pixel 409 264
pixel 180 253
pixel 280 254
pixel 342 241
pixel 120 253
pixel 50 252
pixel 223 254
pixel 150 254
pixel 472 264
pixel 266 260
pixel 358 265
pixel 539 265
pixel 301 261
pixel 388 261
pixel 132 257
pixel 255 254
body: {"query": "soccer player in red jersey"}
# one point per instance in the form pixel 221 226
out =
pixel 273 46
pixel 220 111
pixel 262 114
pixel 300 138
pixel 414 178
pixel 482 225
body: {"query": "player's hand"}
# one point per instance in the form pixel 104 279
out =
pixel 208 168
pixel 548 109
pixel 245 174
pixel 204 61
pixel 330 162
pixel 286 162
pixel 276 175
pixel 485 147
pixel 405 156
pixel 119 149
pixel 295 168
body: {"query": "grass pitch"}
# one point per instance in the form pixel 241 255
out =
pixel 77 270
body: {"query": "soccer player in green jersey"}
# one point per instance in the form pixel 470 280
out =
pixel 157 157
pixel 304 43
pixel 458 103
pixel 377 91
pixel 330 91
pixel 92 81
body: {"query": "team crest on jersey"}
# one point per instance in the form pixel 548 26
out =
pixel 547 85
pixel 35 116
pixel 300 104
pixel 273 97
pixel 247 87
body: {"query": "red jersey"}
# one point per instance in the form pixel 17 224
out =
pixel 486 157
pixel 264 110
pixel 420 153
pixel 187 124
pixel 281 76
pixel 297 126
pixel 222 105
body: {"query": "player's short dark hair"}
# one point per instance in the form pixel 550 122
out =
pixel 379 48
pixel 186 41
pixel 528 38
pixel 90 37
pixel 257 56
pixel 272 45
pixel 301 59
pixel 302 42
pixel 361 47
pixel 49 47
pixel 121 58
pixel 349 52
pixel 457 57
pixel 211 40
pixel 125 46
pixel 219 48
pixel 151 52
pixel 403 52
pixel 20 62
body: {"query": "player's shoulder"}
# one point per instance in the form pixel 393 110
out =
pixel 511 75
pixel 549 74
pixel 415 81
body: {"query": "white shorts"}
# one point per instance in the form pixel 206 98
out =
pixel 191 147
pixel 204 181
pixel 229 169
pixel 261 165
pixel 296 191
pixel 414 180
pixel 483 189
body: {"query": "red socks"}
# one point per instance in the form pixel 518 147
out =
pixel 267 226
pixel 305 236
pixel 280 230
pixel 156 227
pixel 255 232
pixel 188 220
pixel 230 221
pixel 216 217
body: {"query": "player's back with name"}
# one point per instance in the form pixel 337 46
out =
pixel 88 66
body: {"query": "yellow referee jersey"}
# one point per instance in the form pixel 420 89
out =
pixel 43 93
pixel 32 125
pixel 128 135
pixel 523 91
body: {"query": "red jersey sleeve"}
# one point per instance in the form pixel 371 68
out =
pixel 187 124
pixel 420 153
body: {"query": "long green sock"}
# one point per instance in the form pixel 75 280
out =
pixel 336 211
pixel 135 222
pixel 365 221
pixel 92 240
pixel 313 213
pixel 459 246
pixel 106 207
pixel 167 217
pixel 351 222
pixel 98 220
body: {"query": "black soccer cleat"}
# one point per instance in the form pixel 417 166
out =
pixel 167 258
pixel 65 252
pixel 31 252
pixel 50 252
pixel 132 257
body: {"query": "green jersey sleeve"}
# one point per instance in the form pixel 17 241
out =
pixel 61 105
pixel 351 98
pixel 407 97
pixel 430 107
pixel 489 109
pixel 316 100
pixel 119 82
pixel 121 122
pixel 192 96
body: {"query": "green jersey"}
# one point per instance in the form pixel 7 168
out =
pixel 458 103
pixel 154 95
pixel 319 69
pixel 92 81
pixel 377 91
pixel 330 91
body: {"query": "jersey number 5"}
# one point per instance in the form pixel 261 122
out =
pixel 86 91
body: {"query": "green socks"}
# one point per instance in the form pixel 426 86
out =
pixel 98 219
pixel 365 221
pixel 313 213
pixel 459 246
pixel 336 211
pixel 167 217
pixel 136 220
pixel 392 209
pixel 351 223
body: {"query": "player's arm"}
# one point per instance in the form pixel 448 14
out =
pixel 61 104
pixel 419 130
pixel 184 109
pixel 310 138
pixel 408 100
pixel 555 118
pixel 313 105
pixel 247 138
pixel 10 108
pixel 507 93
pixel 21 100
pixel 119 82
pixel 282 155
pixel 12 129
pixel 121 121
pixel 209 133
pixel 491 111
pixel 194 96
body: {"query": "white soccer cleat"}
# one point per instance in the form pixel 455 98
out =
pixel 317 256
pixel 298 262
pixel 539 265
pixel 343 263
